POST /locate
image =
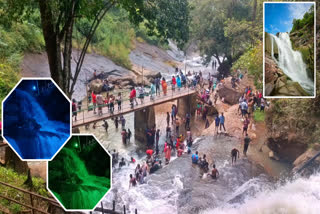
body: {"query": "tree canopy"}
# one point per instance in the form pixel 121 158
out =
pixel 163 18
pixel 226 28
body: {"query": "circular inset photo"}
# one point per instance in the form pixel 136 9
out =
pixel 80 174
pixel 36 119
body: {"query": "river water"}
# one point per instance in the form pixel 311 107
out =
pixel 180 187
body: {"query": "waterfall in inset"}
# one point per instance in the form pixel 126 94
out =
pixel 291 62
pixel 71 182
pixel 28 129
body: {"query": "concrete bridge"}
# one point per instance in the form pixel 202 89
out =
pixel 144 113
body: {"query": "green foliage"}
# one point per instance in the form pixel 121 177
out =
pixel 252 61
pixel 226 28
pixel 142 34
pixel 259 116
pixel 11 177
pixel 307 20
pixel 114 38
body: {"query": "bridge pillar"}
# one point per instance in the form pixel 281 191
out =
pixel 143 119
pixel 187 104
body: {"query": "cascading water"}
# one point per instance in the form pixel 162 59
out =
pixel 28 128
pixel 300 196
pixel 291 62
pixel 70 181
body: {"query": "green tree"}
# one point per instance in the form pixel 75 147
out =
pixel 163 18
pixel 226 29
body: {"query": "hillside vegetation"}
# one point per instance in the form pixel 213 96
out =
pixel 114 38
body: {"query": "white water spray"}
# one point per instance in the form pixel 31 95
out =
pixel 301 196
pixel 291 62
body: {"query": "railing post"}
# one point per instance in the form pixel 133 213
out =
pixel 31 201
pixel 124 209
pixel 136 211
pixel 102 207
pixel 113 205
pixel 83 116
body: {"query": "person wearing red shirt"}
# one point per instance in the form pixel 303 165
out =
pixel 94 101
pixel 133 96
pixel 174 82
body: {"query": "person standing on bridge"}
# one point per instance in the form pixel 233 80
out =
pixel 164 86
pixel 157 83
pixel 178 82
pixel 183 80
pixel 141 93
pixel 168 118
pixel 132 97
pixel 152 91
pixel 173 83
pixel 94 101
pixel 119 101
pixel 100 104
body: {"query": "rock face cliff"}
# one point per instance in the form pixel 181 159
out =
pixel 293 125
pixel 276 82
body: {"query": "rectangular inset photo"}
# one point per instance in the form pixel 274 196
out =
pixel 289 50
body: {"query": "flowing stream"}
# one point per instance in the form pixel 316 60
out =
pixel 291 62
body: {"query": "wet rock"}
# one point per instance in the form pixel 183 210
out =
pixel 310 153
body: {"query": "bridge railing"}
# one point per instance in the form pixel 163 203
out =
pixel 126 106
pixel 33 197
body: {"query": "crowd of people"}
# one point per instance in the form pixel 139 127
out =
pixel 138 92
pixel 179 141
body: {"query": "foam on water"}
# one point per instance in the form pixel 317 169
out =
pixel 300 196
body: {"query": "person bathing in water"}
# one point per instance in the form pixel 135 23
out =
pixel 214 173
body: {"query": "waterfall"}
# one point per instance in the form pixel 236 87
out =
pixel 291 62
pixel 22 112
pixel 72 184
pixel 300 196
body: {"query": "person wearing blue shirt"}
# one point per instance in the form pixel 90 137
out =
pixel 195 158
pixel 222 121
pixel 217 121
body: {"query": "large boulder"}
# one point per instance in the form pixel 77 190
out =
pixel 96 85
pixel 230 96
